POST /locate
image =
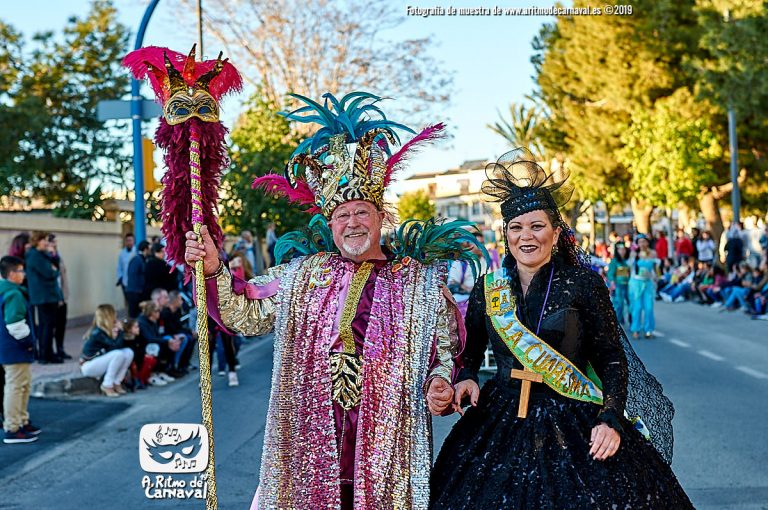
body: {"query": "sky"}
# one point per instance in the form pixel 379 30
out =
pixel 488 55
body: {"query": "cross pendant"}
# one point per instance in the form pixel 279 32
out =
pixel 527 376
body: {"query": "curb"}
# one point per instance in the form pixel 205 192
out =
pixel 65 385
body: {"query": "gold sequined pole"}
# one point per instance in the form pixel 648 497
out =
pixel 211 502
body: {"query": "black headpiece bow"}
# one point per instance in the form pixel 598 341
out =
pixel 522 186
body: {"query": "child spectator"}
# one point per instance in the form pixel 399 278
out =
pixel 104 353
pixel 17 352
pixel 165 345
pixel 143 363
pixel 171 318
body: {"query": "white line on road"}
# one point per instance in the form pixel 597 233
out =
pixel 711 355
pixel 659 334
pixel 754 373
pixel 679 343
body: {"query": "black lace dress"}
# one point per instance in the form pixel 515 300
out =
pixel 494 460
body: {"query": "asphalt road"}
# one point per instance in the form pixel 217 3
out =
pixel 714 367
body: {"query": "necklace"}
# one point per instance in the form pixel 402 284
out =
pixel 546 298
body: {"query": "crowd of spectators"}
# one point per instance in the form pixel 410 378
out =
pixel 154 343
pixel 691 269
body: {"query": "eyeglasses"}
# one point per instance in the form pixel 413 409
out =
pixel 344 217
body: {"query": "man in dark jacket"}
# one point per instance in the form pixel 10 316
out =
pixel 45 294
pixel 134 290
pixel 17 352
pixel 158 274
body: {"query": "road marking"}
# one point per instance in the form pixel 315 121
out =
pixel 754 373
pixel 711 355
pixel 679 343
pixel 659 334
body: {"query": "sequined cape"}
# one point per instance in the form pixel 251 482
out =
pixel 300 465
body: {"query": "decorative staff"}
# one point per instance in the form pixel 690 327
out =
pixel 192 138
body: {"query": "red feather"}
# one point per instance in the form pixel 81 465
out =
pixel 428 134
pixel 302 194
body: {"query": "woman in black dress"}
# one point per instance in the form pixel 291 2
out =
pixel 574 448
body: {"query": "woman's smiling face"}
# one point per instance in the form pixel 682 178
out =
pixel 531 237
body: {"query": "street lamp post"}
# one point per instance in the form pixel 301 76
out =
pixel 139 214
pixel 734 148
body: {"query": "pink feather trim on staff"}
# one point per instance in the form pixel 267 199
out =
pixel 395 163
pixel 279 185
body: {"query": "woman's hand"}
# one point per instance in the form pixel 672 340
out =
pixel 439 396
pixel 205 251
pixel 605 442
pixel 465 388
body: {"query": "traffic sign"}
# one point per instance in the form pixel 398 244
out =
pixel 117 109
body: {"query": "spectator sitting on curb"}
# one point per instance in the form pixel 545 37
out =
pixel 141 361
pixel 164 345
pixel 169 324
pixel 104 353
pixel 17 352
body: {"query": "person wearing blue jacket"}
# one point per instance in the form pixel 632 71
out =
pixel 17 352
pixel 135 291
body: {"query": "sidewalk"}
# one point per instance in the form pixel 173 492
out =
pixel 73 345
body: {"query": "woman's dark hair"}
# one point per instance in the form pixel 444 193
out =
pixel 616 254
pixel 19 245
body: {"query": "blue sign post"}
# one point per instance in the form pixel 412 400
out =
pixel 139 213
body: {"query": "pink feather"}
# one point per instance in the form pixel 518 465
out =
pixel 428 134
pixel 228 81
pixel 279 185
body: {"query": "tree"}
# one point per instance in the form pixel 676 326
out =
pixel 730 72
pixel 64 154
pixel 592 73
pixel 315 46
pixel 262 143
pixel 415 205
pixel 672 150
pixel 522 129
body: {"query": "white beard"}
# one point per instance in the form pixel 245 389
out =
pixel 359 250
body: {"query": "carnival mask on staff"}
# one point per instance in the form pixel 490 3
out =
pixel 191 135
pixel 195 155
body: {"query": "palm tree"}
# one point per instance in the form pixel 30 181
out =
pixel 521 129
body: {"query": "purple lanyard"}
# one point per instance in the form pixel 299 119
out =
pixel 546 297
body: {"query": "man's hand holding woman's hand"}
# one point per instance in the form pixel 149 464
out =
pixel 439 396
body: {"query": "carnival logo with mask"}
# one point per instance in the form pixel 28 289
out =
pixel 173 448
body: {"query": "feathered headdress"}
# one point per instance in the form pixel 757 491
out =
pixel 191 135
pixel 348 158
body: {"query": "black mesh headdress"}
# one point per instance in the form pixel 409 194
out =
pixel 522 186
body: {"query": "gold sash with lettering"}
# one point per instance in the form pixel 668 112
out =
pixel 534 353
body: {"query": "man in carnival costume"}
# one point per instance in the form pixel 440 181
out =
pixel 366 337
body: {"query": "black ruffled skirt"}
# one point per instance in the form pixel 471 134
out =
pixel 494 460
